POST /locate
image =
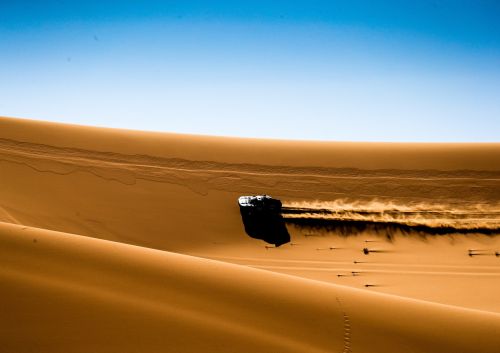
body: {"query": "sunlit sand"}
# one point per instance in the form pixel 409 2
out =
pixel 128 241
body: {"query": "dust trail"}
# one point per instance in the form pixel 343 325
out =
pixel 348 217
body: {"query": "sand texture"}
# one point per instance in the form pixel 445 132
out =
pixel 126 241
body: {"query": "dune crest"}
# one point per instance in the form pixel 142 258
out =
pixel 115 240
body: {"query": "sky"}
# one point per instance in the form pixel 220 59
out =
pixel 425 71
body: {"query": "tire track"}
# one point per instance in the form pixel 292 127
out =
pixel 296 182
pixel 347 340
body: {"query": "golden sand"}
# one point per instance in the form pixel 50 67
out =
pixel 126 241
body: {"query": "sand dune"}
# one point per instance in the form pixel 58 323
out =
pixel 116 240
pixel 70 293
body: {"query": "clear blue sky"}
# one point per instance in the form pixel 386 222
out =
pixel 329 70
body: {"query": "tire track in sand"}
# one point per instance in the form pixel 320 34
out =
pixel 347 329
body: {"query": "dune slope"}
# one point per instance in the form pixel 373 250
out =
pixel 63 292
pixel 116 240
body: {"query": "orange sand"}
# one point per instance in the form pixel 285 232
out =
pixel 126 241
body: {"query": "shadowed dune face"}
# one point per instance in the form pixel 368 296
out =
pixel 93 294
pixel 179 193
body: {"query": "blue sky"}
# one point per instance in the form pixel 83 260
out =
pixel 329 70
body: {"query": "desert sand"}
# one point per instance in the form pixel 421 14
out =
pixel 126 241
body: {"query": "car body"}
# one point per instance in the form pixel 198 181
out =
pixel 261 215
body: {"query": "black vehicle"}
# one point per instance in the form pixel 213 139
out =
pixel 262 219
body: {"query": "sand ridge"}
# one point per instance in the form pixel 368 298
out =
pixel 123 241
pixel 226 305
